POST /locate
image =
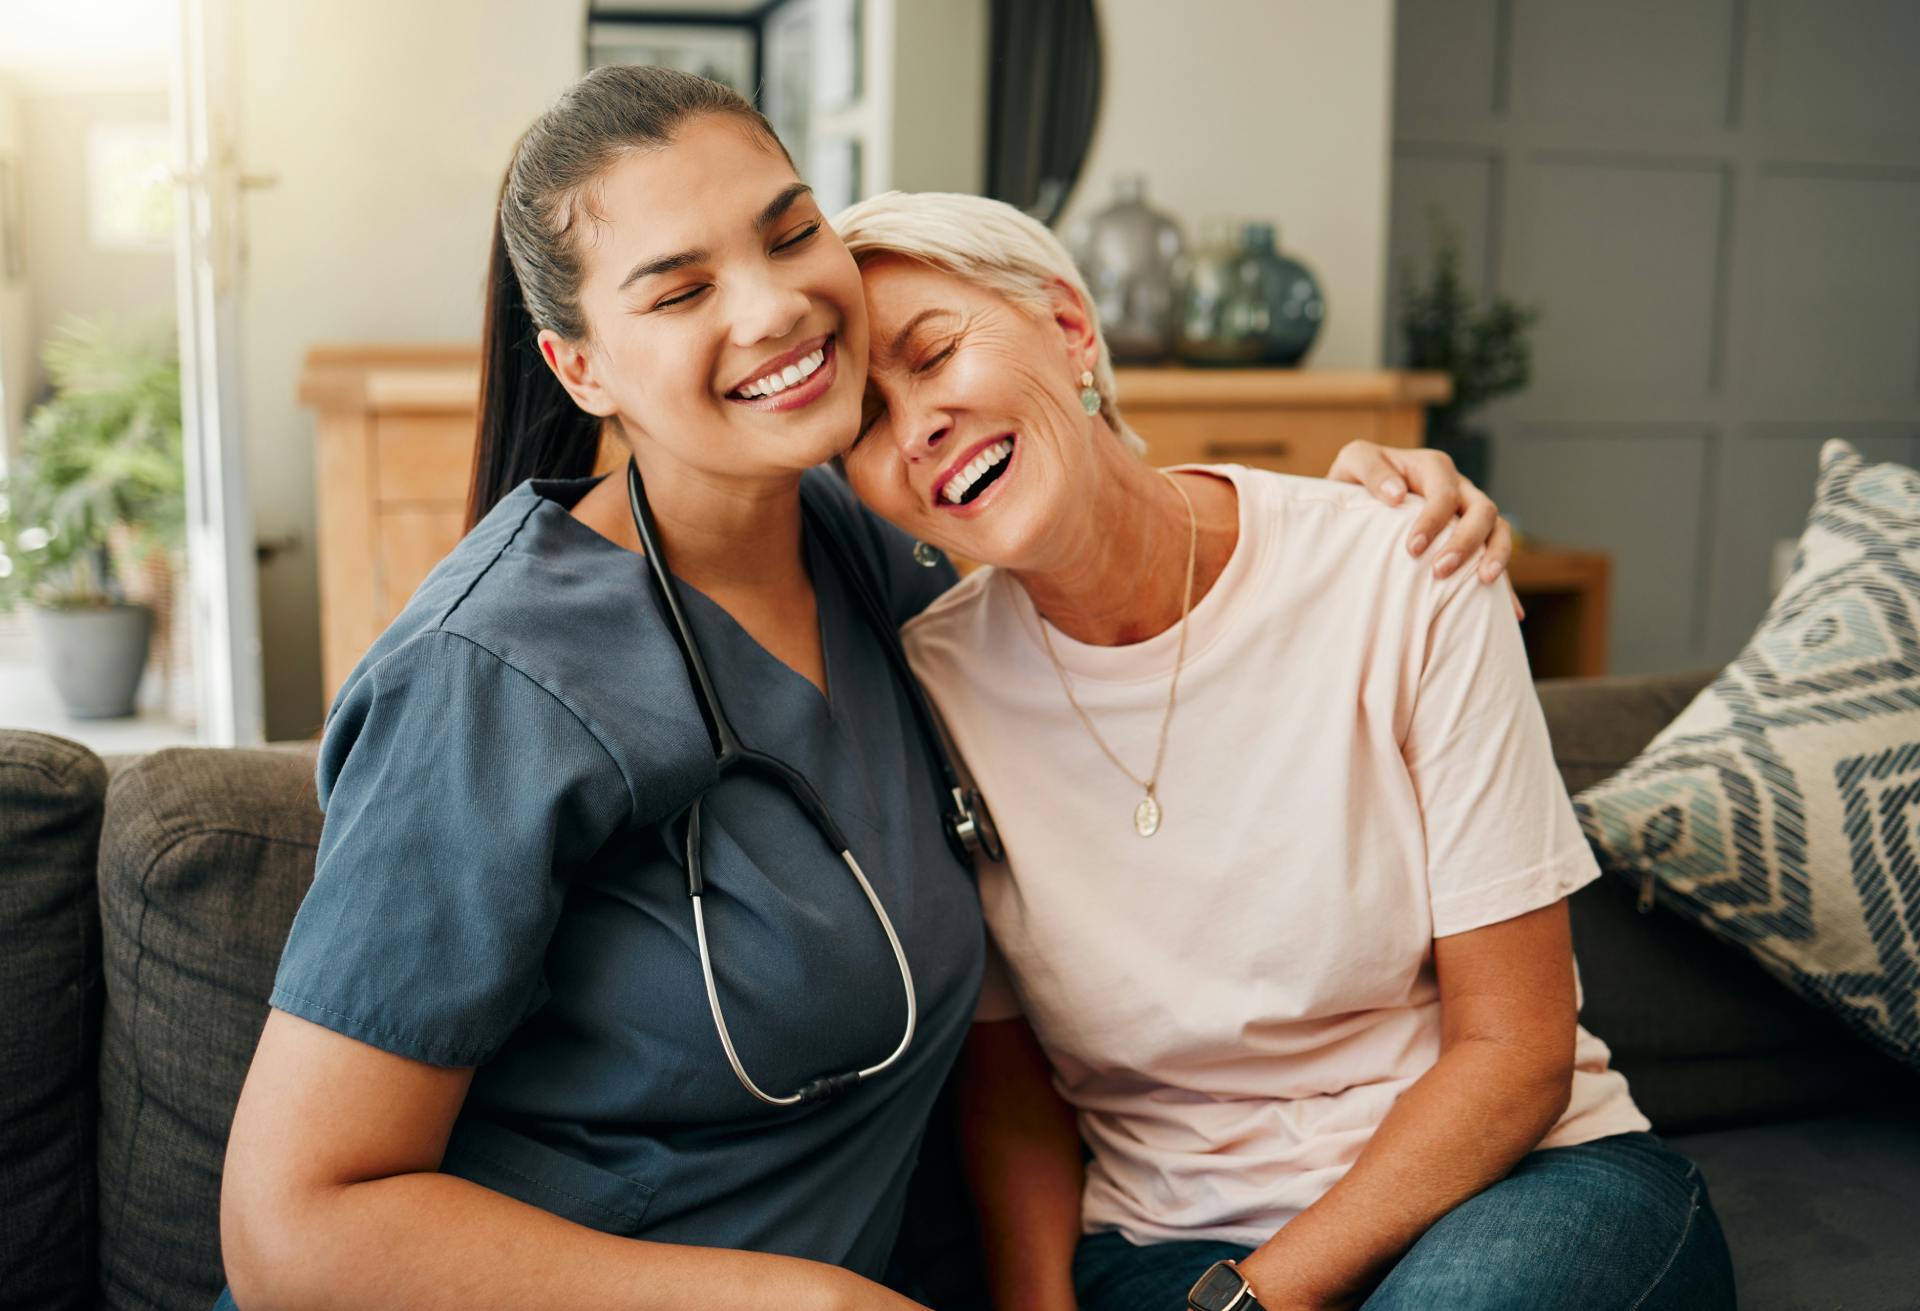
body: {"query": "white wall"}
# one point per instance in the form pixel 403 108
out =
pixel 1260 109
pixel 937 88
pixel 388 126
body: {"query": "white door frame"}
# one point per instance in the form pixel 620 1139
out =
pixel 221 567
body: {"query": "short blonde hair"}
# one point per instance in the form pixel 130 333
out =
pixel 991 244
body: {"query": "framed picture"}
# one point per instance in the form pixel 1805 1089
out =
pixel 833 167
pixel 799 61
pixel 838 57
pixel 727 52
pixel 789 65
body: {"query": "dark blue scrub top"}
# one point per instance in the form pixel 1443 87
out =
pixel 492 889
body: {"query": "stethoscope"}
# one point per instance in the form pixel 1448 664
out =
pixel 967 824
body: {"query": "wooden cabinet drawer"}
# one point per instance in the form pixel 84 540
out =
pixel 1292 441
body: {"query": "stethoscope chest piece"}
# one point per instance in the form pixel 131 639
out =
pixel 970 828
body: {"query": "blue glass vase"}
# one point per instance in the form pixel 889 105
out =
pixel 1244 303
pixel 1284 307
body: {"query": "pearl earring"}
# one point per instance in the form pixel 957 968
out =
pixel 1089 398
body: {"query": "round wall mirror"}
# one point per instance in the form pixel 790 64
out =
pixel 1043 75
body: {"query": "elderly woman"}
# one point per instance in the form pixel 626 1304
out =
pixel 1283 910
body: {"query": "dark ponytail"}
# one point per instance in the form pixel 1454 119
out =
pixel 529 426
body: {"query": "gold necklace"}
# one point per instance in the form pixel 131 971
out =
pixel 1146 815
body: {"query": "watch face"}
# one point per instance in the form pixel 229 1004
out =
pixel 1217 1288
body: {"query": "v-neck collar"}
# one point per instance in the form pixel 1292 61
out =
pixel 773 706
pixel 821 567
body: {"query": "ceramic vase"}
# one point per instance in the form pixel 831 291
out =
pixel 1129 254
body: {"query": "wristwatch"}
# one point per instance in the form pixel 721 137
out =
pixel 1222 1288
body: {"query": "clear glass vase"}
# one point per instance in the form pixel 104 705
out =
pixel 1129 254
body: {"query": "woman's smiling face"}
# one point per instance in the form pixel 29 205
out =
pixel 727 325
pixel 972 431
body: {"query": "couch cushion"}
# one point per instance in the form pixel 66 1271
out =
pixel 1599 724
pixel 51 793
pixel 1706 1038
pixel 1777 810
pixel 1819 1213
pixel 203 861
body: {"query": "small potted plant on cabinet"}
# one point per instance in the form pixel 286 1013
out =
pixel 1483 349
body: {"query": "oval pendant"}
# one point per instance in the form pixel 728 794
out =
pixel 1146 817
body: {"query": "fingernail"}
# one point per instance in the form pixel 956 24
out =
pixel 1394 487
pixel 1492 571
pixel 1448 563
pixel 1417 543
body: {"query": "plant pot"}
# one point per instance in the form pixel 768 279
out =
pixel 95 656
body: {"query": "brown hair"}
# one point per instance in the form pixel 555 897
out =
pixel 529 426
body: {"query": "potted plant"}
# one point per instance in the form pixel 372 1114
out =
pixel 1482 348
pixel 96 494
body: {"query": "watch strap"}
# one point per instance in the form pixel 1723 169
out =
pixel 1243 1300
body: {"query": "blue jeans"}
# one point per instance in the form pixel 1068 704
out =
pixel 1621 1222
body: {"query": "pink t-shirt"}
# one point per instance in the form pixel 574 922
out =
pixel 1358 764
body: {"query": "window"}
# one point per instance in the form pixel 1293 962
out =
pixel 130 186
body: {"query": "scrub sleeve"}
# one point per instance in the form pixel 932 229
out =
pixel 459 794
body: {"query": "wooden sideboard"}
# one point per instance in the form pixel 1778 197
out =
pixel 1287 420
pixel 393 452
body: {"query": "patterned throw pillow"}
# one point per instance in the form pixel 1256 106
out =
pixel 1781 810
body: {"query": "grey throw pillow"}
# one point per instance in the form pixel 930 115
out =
pixel 1779 810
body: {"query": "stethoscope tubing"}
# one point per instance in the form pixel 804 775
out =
pixel 732 756
pixel 828 1085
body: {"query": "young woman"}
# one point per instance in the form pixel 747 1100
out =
pixel 510 1061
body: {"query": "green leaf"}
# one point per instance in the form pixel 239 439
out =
pixel 1483 349
pixel 104 452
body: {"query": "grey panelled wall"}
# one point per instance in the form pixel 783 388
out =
pixel 1716 203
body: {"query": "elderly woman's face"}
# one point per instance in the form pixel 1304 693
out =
pixel 972 430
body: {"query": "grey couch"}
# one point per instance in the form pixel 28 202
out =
pixel 143 906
